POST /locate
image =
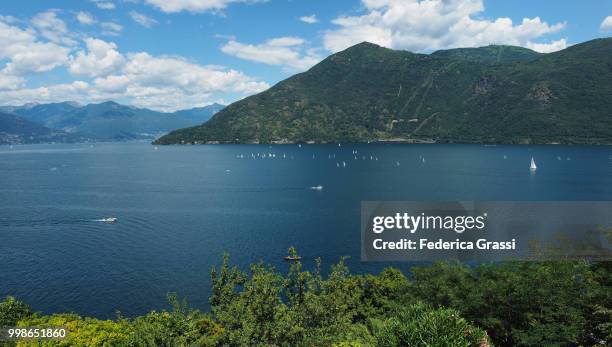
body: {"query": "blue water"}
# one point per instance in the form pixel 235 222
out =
pixel 179 209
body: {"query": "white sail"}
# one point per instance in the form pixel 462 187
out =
pixel 533 165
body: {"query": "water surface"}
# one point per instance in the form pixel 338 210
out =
pixel 180 207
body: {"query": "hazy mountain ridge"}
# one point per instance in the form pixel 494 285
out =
pixel 17 130
pixel 106 121
pixel 497 94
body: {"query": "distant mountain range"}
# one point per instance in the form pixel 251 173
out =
pixel 70 122
pixel 494 94
pixel 17 130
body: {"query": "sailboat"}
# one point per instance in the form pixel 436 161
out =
pixel 533 166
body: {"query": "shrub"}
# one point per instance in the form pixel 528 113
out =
pixel 81 331
pixel 12 311
pixel 420 325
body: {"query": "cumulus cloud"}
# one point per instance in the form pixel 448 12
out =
pixel 606 24
pixel 100 59
pixel 51 27
pixel 85 18
pixel 76 90
pixel 24 53
pixel 100 71
pixel 287 52
pixel 195 6
pixel 312 19
pixel 160 83
pixel 552 46
pixel 9 81
pixel 104 73
pixel 170 83
pixel 143 20
pixel 427 25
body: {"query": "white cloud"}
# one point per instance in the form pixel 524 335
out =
pixel 553 46
pixel 606 24
pixel 171 82
pixel 195 6
pixel 112 84
pixel 141 79
pixel 101 59
pixel 102 72
pixel 285 41
pixel 8 81
pixel 108 28
pixel 427 25
pixel 85 18
pixel 282 51
pixel 143 20
pixel 111 28
pixel 312 19
pixel 54 93
pixel 25 53
pixel 105 5
pixel 161 83
pixel 52 28
pixel 225 37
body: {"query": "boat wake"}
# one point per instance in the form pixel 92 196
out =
pixel 106 220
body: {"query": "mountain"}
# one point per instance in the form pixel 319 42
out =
pixel 41 112
pixel 17 130
pixel 110 120
pixel 200 114
pixel 489 54
pixel 495 94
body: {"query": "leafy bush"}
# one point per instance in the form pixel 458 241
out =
pixel 518 303
pixel 180 327
pixel 12 311
pixel 81 331
pixel 419 325
pixel 445 304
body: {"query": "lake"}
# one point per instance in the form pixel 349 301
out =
pixel 179 208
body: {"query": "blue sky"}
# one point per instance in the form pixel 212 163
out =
pixel 173 54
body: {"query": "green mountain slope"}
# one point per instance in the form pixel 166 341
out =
pixel 368 93
pixel 489 54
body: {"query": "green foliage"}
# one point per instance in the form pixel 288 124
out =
pixel 444 304
pixel 498 94
pixel 180 327
pixel 519 304
pixel 316 311
pixel 419 325
pixel 81 331
pixel 12 311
